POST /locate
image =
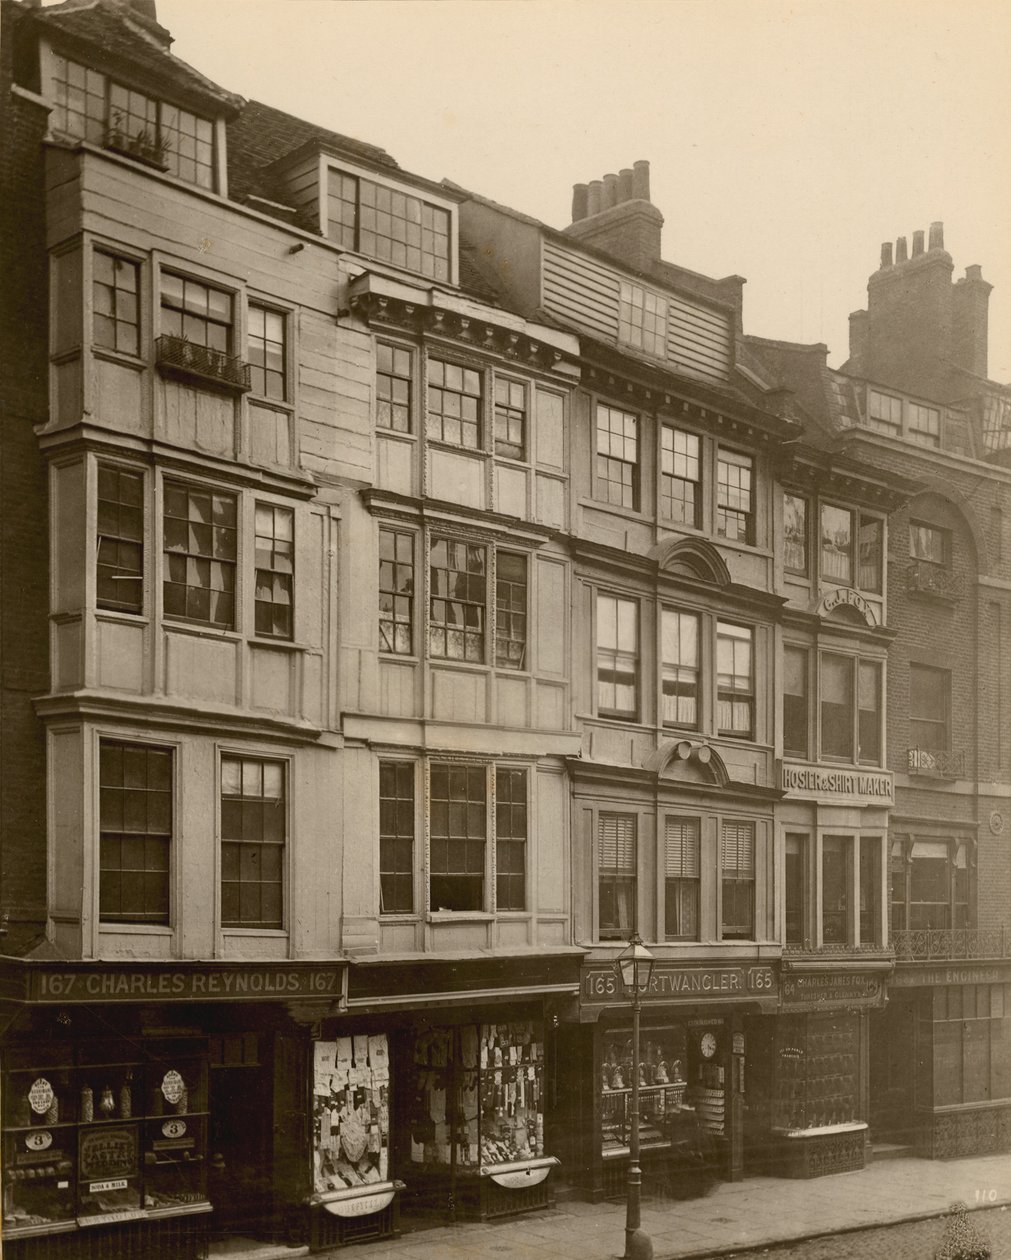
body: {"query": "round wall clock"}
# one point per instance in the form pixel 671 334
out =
pixel 708 1045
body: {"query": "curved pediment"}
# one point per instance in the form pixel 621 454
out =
pixel 688 761
pixel 692 558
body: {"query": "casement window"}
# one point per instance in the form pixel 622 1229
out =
pixel 929 708
pixel 617 657
pixel 458 831
pixel 510 610
pixel 394 388
pixel 396 592
pixel 200 539
pixel 924 425
pixel 680 476
pixel 642 319
pixel 388 224
pixel 396 837
pixel 90 106
pixel 455 405
pixel 735 680
pixel 735 506
pixel 617 457
pixel 196 313
pixel 680 666
pixel 120 552
pixel 850 704
pixel 681 879
pixel 885 412
pixel 796 702
pixel 616 865
pixel 795 534
pixel 851 548
pixel 510 838
pixel 115 286
pixel 510 418
pixel 795 887
pixel 254 828
pixel 836 883
pixel 737 880
pixel 930 885
pixel 275 571
pixel 267 353
pixel 458 600
pixel 929 545
pixel 135 832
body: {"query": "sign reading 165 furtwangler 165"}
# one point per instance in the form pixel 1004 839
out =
pixel 671 983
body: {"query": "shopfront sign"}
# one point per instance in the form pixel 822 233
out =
pixel 673 983
pixel 41 1096
pixel 820 781
pixel 360 1205
pixel 932 976
pixel 832 989
pixel 841 596
pixel 199 983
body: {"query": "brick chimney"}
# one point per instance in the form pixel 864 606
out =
pixel 905 337
pixel 615 214
pixel 970 321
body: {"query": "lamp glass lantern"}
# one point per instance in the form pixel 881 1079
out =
pixel 634 966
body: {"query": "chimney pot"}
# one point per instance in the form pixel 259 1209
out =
pixel 886 253
pixel 901 250
pixel 625 184
pixel 936 239
pixel 593 195
pixel 579 194
pixel 609 197
pixel 640 180
pixel 974 272
pixel 917 244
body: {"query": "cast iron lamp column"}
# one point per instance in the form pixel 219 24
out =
pixel 634 966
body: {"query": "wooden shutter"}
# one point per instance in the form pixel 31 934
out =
pixel 617 842
pixel 681 856
pixel 737 850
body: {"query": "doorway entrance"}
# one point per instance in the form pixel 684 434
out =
pixel 893 1070
pixel 240 1175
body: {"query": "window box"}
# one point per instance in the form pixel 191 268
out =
pixel 935 581
pixel 936 763
pixel 175 356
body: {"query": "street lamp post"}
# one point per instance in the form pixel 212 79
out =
pixel 634 966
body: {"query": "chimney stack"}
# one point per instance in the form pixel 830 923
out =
pixel 886 253
pixel 917 244
pixel 936 240
pixel 615 214
pixel 901 251
pixel 970 320
pixel 858 342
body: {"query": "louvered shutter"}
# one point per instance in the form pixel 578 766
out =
pixel 681 858
pixel 737 850
pixel 617 843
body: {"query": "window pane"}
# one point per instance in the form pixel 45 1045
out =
pixel 734 680
pixel 617 876
pixel 618 457
pixel 795 891
pixel 254 832
pixel 511 611
pixel 795 702
pixel 195 589
pixel 837 706
pixel 120 559
pixel 835 882
pixel 836 543
pixel 135 823
pixel 737 865
pixel 458 830
pixel 396 837
pixel 869 705
pixel 458 601
pixel 735 518
pixel 869 570
pixel 617 656
pixel 680 633
pixel 929 698
pixel 794 533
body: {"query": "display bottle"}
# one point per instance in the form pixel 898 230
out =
pixel 87 1105
pixel 107 1105
pixel 53 1114
pixel 125 1098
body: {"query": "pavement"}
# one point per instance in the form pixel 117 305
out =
pixel 734 1217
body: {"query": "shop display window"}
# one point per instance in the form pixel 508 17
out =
pixel 662 1085
pixel 104 1131
pixel 817 1076
pixel 477 1096
pixel 351 1113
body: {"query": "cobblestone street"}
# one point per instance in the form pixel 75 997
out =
pixel 907 1240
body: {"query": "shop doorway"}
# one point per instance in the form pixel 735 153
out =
pixel 893 1074
pixel 241 1173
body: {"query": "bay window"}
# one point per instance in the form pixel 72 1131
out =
pixel 200 540
pixel 116 299
pixel 851 548
pixel 458 578
pixel 930 884
pixel 850 719
pixel 120 553
pixel 391 224
pixel 455 405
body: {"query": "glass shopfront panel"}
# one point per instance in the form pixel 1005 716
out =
pixel 350 1113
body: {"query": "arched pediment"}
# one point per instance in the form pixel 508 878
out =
pixel 688 761
pixel 692 558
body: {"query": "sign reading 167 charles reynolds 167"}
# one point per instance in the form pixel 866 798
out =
pixel 186 984
pixel 671 983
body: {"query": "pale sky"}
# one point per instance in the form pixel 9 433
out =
pixel 787 140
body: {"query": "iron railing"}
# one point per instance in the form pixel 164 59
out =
pixel 936 763
pixel 833 951
pixel 179 357
pixel 950 944
pixel 923 577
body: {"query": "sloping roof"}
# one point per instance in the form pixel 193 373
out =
pixel 260 135
pixel 115 35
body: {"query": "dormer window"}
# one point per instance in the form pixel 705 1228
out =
pixel 389 224
pixel 90 106
pixel 642 319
